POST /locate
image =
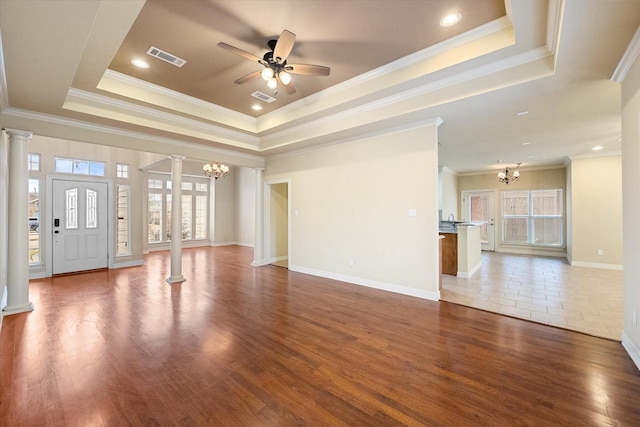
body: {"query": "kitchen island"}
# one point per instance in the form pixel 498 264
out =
pixel 461 248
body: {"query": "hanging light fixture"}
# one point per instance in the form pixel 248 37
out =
pixel 215 170
pixel 509 174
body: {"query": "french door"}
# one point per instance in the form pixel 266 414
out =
pixel 480 206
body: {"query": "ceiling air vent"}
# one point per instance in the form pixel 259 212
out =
pixel 165 56
pixel 263 97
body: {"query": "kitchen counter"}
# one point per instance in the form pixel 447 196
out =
pixel 461 248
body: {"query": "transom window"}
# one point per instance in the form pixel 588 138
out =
pixel 79 167
pixel 532 217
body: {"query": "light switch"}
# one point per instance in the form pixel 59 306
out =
pixel 412 212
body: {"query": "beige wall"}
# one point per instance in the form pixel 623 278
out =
pixel 631 207
pixel 278 222
pixel 4 193
pixel 225 209
pixel 450 194
pixel 245 211
pixel 351 202
pixel 596 211
pixel 530 179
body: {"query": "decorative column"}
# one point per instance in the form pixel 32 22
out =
pixel 176 220
pixel 18 224
pixel 258 241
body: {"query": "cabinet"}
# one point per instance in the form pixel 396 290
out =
pixel 449 254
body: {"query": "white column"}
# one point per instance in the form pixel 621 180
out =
pixel 18 224
pixel 258 240
pixel 176 220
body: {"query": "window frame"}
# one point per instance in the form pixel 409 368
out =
pixel 194 222
pixel 531 217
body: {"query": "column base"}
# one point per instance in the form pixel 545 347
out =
pixel 176 279
pixel 8 310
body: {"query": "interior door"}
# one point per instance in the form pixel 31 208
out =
pixel 480 206
pixel 79 226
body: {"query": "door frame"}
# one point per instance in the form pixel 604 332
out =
pixel 268 257
pixel 47 221
pixel 464 194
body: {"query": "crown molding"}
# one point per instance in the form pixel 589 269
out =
pixel 168 142
pixel 4 92
pixel 554 25
pixel 614 153
pixel 413 124
pixel 111 108
pixel 125 85
pixel 628 58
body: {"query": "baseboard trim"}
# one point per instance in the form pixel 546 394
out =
pixel 3 303
pixel 464 275
pixel 389 287
pixel 597 265
pixel 133 263
pixel 632 350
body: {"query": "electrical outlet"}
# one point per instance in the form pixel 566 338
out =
pixel 600 253
pixel 350 263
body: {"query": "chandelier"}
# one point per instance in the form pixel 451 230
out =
pixel 216 170
pixel 509 174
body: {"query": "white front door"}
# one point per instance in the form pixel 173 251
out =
pixel 79 226
pixel 480 206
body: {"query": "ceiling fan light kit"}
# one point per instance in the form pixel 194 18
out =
pixel 276 70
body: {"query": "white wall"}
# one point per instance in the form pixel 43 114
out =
pixel 631 208
pixel 596 212
pixel 351 201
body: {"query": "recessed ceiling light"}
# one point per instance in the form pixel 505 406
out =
pixel 532 157
pixel 597 148
pixel 140 63
pixel 526 143
pixel 451 19
pixel 256 107
pixel 522 113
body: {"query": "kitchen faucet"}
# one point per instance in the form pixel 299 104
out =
pixel 451 217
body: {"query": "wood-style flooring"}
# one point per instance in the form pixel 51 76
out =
pixel 237 345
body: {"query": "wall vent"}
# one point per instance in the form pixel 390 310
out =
pixel 166 56
pixel 263 97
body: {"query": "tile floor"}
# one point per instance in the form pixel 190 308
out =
pixel 543 290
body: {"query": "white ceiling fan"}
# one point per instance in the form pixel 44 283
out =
pixel 276 69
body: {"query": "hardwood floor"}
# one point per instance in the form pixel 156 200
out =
pixel 236 345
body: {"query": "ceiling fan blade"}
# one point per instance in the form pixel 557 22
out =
pixel 284 46
pixel 290 88
pixel 240 52
pixel 308 69
pixel 248 77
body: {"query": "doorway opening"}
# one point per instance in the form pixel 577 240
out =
pixel 277 223
pixel 480 206
pixel 79 223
